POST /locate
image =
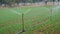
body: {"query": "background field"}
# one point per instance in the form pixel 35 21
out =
pixel 37 20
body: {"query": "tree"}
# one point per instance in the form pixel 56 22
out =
pixel 0 2
pixel 17 1
pixel 9 2
pixel 46 2
pixel 58 2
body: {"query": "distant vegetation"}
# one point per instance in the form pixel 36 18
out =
pixel 10 2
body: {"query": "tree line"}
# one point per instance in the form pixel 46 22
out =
pixel 19 1
pixel 9 2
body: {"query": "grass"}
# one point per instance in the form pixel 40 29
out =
pixel 35 20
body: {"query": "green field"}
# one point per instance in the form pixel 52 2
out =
pixel 35 19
